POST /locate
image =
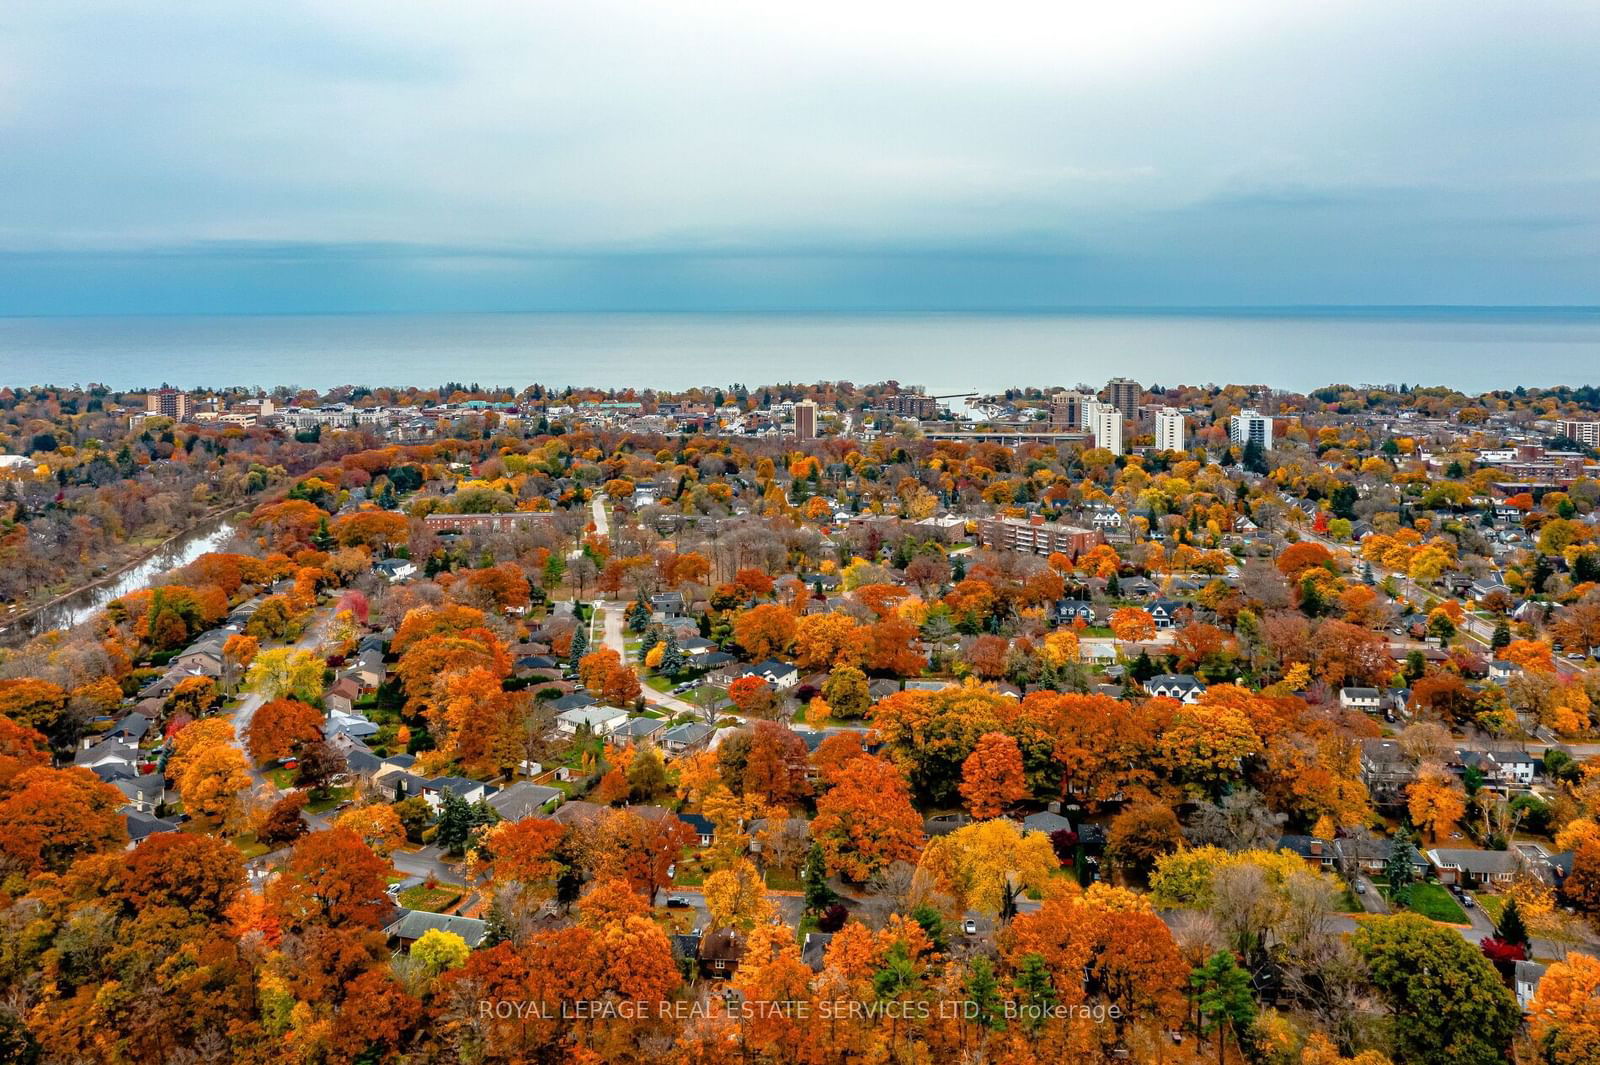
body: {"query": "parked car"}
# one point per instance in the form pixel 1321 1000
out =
pixel 1466 900
pixel 677 902
pixel 969 926
pixel 1361 888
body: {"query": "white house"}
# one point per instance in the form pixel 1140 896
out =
pixel 1369 700
pixel 602 720
pixel 1179 686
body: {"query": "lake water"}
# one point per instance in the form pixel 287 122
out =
pixel 1473 350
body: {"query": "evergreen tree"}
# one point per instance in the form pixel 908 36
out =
pixel 819 896
pixel 639 616
pixel 455 824
pixel 1400 868
pixel 1513 929
pixel 1036 991
pixel 671 656
pixel 496 928
pixel 1502 635
pixel 1254 458
pixel 983 991
pixel 580 646
pixel 1113 588
pixel 648 641
pixel 1223 998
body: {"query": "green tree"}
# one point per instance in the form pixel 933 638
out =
pixel 1502 635
pixel 846 692
pixel 819 896
pixel 455 824
pixel 1035 991
pixel 1513 929
pixel 983 992
pixel 671 654
pixel 1222 995
pixel 1400 867
pixel 1447 1003
pixel 647 775
pixel 639 616
pixel 580 645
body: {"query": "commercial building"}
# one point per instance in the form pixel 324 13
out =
pixel 1249 426
pixel 805 420
pixel 1108 428
pixel 1169 430
pixel 1585 433
pixel 1037 536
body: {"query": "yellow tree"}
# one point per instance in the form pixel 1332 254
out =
pixel 287 673
pixel 979 863
pixel 378 826
pixel 1132 625
pixel 211 782
pixel 736 897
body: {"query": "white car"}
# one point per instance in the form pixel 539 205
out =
pixel 969 926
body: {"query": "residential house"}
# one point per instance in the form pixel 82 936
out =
pixel 1368 700
pixel 1164 612
pixel 524 799
pixel 704 830
pixel 638 730
pixel 1525 977
pixel 395 569
pixel 412 925
pixel 1046 821
pixel 341 696
pixel 1179 686
pixel 1386 770
pixel 144 793
pixel 685 737
pixel 1371 855
pixel 132 728
pixel 1316 852
pixel 354 725
pixel 141 826
pixel 601 720
pixel 1471 868
pixel 720 953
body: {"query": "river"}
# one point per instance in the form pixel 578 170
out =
pixel 77 607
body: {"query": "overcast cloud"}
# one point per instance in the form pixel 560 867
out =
pixel 479 155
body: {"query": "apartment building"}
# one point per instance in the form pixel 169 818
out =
pixel 1037 536
pixel 1169 430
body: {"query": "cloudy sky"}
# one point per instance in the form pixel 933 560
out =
pixel 365 155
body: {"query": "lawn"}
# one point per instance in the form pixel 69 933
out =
pixel 1348 903
pixel 282 779
pixel 334 797
pixel 781 880
pixel 1493 906
pixel 1435 903
pixel 659 683
pixel 248 845
pixel 433 899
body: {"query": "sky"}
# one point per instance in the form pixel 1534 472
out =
pixel 364 156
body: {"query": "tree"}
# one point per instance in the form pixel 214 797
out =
pixel 437 950
pixel 524 851
pixel 819 896
pixel 1400 868
pixel 1222 996
pixel 331 879
pixel 1435 800
pixel 991 777
pixel 280 727
pixel 983 864
pixel 1141 834
pixel 824 640
pixel 320 764
pixel 1447 1001
pixel 865 822
pixel 846 692
pixel 377 824
pixel 1564 1017
pixel 775 765
pixel 1132 625
pixel 51 817
pixel 1512 928
pixel 647 775
pixel 455 824
pixel 287 673
pixel 282 823
pixel 764 630
pixel 211 782
pixel 751 695
pixel 736 897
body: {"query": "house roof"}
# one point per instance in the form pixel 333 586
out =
pixel 411 924
pixel 1477 862
pixel 522 799
pixel 142 825
pixel 689 732
pixel 1046 822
